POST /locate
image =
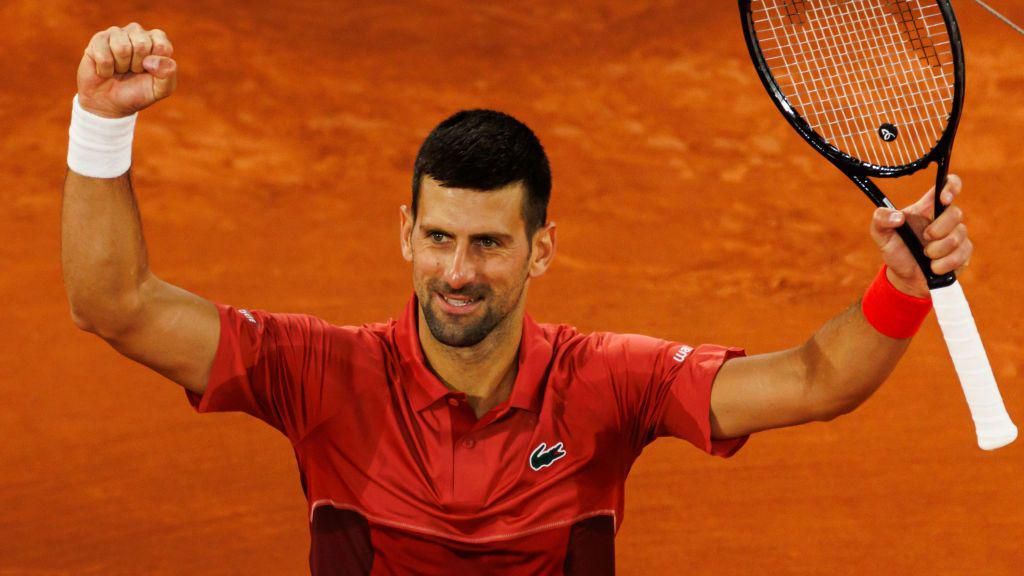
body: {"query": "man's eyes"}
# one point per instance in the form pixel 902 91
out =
pixel 441 237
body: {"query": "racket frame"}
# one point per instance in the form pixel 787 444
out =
pixel 859 171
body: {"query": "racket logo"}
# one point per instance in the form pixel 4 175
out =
pixel 888 132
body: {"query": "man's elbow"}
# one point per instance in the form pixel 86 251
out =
pixel 81 320
pixel 107 322
pixel 838 406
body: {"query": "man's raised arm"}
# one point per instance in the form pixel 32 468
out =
pixel 110 288
pixel 846 360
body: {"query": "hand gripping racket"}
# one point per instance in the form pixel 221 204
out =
pixel 876 86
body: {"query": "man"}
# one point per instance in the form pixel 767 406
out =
pixel 463 437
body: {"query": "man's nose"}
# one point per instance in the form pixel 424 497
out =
pixel 461 270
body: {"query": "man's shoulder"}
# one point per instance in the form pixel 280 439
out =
pixel 562 334
pixel 306 325
pixel 568 340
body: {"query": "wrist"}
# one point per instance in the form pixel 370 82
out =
pixel 908 287
pixel 87 104
pixel 891 311
pixel 99 147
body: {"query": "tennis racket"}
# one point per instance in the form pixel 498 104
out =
pixel 876 86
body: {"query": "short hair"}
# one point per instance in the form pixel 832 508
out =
pixel 486 150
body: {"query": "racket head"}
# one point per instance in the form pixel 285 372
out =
pixel 875 86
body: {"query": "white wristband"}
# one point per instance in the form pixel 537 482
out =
pixel 99 147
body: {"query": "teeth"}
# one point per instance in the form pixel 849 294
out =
pixel 457 303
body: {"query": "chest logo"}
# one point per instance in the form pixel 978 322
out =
pixel 542 456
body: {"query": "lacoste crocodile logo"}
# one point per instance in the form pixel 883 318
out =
pixel 542 456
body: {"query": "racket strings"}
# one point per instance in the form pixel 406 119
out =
pixel 871 104
pixel 873 78
pixel 837 83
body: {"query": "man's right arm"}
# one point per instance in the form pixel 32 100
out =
pixel 110 288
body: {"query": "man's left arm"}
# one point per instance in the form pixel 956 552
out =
pixel 847 359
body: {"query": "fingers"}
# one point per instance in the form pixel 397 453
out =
pixel 165 78
pixel 161 44
pixel 884 223
pixel 99 50
pixel 945 239
pixel 947 243
pixel 159 66
pixel 123 50
pixel 121 47
pixel 952 255
pixel 925 205
pixel 951 190
pixel 945 224
pixel 142 46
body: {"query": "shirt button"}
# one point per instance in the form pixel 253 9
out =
pixel 469 442
pixel 453 401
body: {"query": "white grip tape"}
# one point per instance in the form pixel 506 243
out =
pixel 99 147
pixel 991 422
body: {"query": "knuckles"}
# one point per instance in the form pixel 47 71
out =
pixel 968 250
pixel 123 40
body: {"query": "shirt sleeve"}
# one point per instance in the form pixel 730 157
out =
pixel 269 366
pixel 664 389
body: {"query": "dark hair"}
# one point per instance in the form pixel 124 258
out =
pixel 486 150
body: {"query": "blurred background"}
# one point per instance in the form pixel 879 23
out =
pixel 687 209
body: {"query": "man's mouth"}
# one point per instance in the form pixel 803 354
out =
pixel 457 301
pixel 456 304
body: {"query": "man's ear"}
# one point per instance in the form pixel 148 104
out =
pixel 406 221
pixel 543 249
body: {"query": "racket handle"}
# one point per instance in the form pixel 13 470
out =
pixel 991 422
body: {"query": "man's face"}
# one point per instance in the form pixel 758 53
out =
pixel 471 259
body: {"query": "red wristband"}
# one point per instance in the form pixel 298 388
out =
pixel 891 312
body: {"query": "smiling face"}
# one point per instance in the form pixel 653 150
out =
pixel 471 259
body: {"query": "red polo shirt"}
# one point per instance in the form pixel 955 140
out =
pixel 402 478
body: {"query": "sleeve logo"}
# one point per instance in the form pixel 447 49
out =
pixel 682 353
pixel 248 316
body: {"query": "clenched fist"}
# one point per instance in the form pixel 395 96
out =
pixel 125 70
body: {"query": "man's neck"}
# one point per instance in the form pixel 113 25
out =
pixel 485 372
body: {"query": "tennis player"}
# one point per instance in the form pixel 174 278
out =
pixel 463 437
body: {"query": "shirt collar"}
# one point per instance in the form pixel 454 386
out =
pixel 424 388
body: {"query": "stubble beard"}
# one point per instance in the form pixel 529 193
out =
pixel 466 332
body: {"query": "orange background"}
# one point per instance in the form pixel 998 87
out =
pixel 687 209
